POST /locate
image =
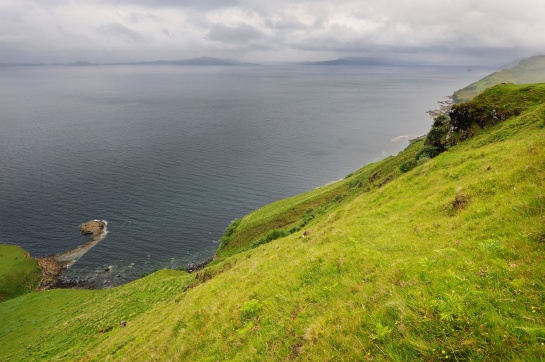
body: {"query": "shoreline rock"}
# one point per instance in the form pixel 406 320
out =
pixel 444 107
pixel 97 228
pixel 54 265
pixel 52 270
pixel 193 267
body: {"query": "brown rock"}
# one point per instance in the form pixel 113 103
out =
pixel 51 271
pixel 90 227
pixel 94 227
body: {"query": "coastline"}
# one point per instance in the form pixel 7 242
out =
pixel 53 266
pixel 444 107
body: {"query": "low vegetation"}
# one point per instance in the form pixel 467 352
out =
pixel 441 261
pixel 19 273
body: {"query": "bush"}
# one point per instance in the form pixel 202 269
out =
pixel 407 166
pixel 428 151
pixel 229 231
pixel 273 235
pixel 436 137
pixel 440 120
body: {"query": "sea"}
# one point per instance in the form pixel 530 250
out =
pixel 170 155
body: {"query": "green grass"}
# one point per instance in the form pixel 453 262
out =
pixel 443 262
pixel 529 70
pixel 19 273
pixel 293 214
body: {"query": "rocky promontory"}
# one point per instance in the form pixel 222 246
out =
pixel 54 265
pixel 97 229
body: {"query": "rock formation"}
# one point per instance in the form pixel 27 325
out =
pixel 96 228
pixel 54 265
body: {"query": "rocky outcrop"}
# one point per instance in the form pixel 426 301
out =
pixel 97 229
pixel 52 270
pixel 54 265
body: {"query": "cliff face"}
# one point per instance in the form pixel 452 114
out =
pixel 496 105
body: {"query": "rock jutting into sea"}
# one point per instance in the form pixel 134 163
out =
pixel 444 107
pixel 54 265
pixel 97 229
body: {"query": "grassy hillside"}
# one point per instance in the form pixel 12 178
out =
pixel 290 216
pixel 442 262
pixel 19 273
pixel 529 70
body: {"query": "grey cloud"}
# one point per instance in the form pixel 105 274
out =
pixel 117 31
pixel 237 34
pixel 286 23
pixel 136 18
pixel 198 4
pixel 167 32
pixel 11 16
pixel 296 29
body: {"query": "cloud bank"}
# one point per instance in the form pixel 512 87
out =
pixel 461 32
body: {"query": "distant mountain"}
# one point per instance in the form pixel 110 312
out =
pixel 201 61
pixel 81 63
pixel 529 70
pixel 359 61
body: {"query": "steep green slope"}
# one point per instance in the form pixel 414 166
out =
pixel 289 216
pixel 19 273
pixel 531 70
pixel 443 262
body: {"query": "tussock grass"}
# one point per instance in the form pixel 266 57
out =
pixel 443 262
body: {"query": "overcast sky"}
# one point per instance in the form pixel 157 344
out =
pixel 452 32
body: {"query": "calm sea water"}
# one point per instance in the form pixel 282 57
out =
pixel 170 155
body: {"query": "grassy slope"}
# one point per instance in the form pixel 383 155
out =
pixel 19 273
pixel 296 212
pixel 531 70
pixel 444 262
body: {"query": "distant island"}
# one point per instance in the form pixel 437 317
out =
pixel 80 63
pixel 361 61
pixel 199 61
